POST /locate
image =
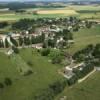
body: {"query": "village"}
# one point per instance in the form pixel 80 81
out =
pixel 53 36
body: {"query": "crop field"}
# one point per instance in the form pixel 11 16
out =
pixel 85 11
pixel 65 11
pixel 85 7
pixel 25 87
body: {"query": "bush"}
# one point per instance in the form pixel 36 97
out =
pixel 15 50
pixel 29 63
pixel 72 80
pixel 8 81
pixel 1 85
pixel 50 92
pixel 28 72
pixel 45 52
pixel 56 56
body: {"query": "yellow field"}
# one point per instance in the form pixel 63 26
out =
pixel 57 11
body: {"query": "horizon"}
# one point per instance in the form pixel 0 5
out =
pixel 42 0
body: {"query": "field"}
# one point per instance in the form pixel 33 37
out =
pixel 25 87
pixel 84 37
pixel 83 11
pixel 65 11
pixel 87 90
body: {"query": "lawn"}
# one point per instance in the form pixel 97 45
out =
pixel 25 87
pixel 87 90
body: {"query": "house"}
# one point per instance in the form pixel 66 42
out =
pixel 9 52
pixel 68 72
pixel 37 46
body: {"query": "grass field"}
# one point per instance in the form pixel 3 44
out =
pixel 25 87
pixel 84 37
pixel 87 90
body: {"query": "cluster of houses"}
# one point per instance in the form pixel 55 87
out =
pixel 48 30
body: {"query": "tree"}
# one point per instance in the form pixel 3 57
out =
pixel 72 80
pixel 1 44
pixel 23 24
pixel 3 24
pixel 14 41
pixel 6 43
pixel 56 56
pixel 88 24
pixel 20 41
pixel 30 63
pixel 51 43
pixel 96 52
pixel 27 41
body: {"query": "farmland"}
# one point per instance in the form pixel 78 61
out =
pixel 89 12
pixel 67 12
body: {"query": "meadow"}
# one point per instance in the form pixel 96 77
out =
pixel 25 87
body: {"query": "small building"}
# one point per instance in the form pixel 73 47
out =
pixel 68 72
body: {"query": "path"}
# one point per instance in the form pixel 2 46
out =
pixel 84 78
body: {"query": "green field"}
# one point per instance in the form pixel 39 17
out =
pixel 84 37
pixel 87 90
pixel 25 87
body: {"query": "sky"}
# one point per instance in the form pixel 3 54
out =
pixel 46 0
